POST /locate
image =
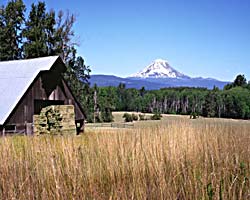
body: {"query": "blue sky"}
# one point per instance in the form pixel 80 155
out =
pixel 208 38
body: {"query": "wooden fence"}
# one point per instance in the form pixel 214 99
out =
pixel 111 125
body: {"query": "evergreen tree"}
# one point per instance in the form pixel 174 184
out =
pixel 77 74
pixel 3 36
pixel 209 108
pixel 248 85
pixel 41 33
pixel 142 91
pixel 81 70
pixel 121 96
pixel 11 22
pixel 240 81
pixel 51 38
pixel 106 114
pixel 35 32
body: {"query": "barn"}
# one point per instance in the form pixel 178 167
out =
pixel 27 86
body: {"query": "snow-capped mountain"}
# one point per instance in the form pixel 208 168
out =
pixel 158 69
pixel 158 74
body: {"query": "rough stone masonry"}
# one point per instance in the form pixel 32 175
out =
pixel 55 120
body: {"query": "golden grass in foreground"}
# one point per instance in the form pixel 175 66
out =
pixel 179 160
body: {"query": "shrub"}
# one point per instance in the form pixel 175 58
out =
pixel 98 119
pixel 128 117
pixel 134 117
pixel 156 116
pixel 107 115
pixel 194 115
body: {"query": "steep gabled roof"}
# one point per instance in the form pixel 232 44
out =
pixel 16 77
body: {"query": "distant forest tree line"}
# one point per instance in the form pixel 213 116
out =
pixel 47 33
pixel 231 102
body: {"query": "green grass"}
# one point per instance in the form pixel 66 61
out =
pixel 175 158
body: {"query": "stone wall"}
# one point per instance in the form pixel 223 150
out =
pixel 55 120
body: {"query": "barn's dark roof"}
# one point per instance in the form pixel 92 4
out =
pixel 16 77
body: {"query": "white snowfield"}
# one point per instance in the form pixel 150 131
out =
pixel 158 69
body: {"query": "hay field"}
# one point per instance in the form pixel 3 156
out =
pixel 175 158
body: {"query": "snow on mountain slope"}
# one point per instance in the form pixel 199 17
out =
pixel 159 69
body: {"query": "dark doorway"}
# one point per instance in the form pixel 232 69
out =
pixel 40 104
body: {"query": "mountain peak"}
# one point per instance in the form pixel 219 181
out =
pixel 159 60
pixel 159 68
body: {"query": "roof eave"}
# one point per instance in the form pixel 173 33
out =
pixel 6 117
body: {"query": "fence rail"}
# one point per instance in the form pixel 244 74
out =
pixel 111 125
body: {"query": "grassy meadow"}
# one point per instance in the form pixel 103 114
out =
pixel 175 158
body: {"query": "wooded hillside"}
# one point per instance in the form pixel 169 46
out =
pixel 231 102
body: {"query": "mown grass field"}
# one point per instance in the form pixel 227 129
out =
pixel 175 158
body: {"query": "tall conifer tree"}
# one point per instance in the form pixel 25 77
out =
pixel 35 32
pixel 11 23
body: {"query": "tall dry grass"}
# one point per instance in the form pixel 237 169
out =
pixel 179 160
